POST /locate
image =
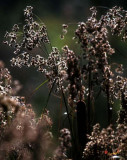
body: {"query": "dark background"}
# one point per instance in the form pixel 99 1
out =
pixel 54 13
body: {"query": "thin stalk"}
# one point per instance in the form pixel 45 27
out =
pixel 49 40
pixel 67 111
pixel 81 125
pixel 50 94
pixel 109 106
pixel 38 87
pixel 73 140
pixel 43 45
pixel 59 123
pixel 89 99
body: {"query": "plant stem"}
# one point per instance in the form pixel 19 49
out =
pixel 109 106
pixel 89 99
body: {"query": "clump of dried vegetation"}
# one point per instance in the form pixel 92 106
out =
pixel 22 134
pixel 78 77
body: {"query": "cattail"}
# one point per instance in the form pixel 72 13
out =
pixel 82 122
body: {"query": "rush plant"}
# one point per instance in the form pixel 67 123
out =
pixel 80 78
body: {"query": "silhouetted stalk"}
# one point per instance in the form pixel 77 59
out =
pixel 109 106
pixel 123 103
pixel 74 154
pixel 67 110
pixel 89 99
pixel 82 125
pixel 50 93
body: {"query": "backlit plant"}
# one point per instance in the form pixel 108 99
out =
pixel 80 78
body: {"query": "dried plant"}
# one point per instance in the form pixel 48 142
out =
pixel 65 143
pixel 22 135
pixel 106 143
pixel 80 83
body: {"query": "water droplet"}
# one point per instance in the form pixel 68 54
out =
pixel 65 113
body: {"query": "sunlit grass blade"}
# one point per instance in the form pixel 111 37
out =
pixel 36 89
pixel 40 85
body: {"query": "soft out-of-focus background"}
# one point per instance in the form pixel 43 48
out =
pixel 54 13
